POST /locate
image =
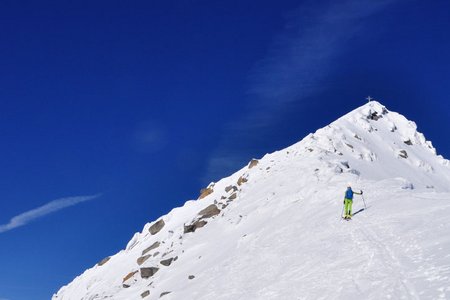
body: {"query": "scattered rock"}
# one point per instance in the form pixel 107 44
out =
pixel 131 274
pixel 153 246
pixel 345 164
pixel 231 187
pixel 191 277
pixel 374 116
pixel 348 145
pixel 148 272
pixel 407 186
pixel 403 154
pixel 104 261
pixel 253 163
pixel 163 294
pixel 209 211
pixel 205 192
pixel 338 170
pixel 166 262
pixel 194 226
pixel 408 142
pixel 233 196
pixel 145 294
pixel 142 259
pixel 125 284
pixel 156 253
pixel 167 253
pixel 241 180
pixel 155 228
pixel 357 137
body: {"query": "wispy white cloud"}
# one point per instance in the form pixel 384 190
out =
pixel 294 69
pixel 300 57
pixel 51 207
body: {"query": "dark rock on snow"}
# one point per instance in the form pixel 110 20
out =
pixel 153 246
pixel 209 211
pixel 130 275
pixel 241 180
pixel 148 272
pixel 408 142
pixel 104 261
pixel 231 187
pixel 403 154
pixel 253 163
pixel 166 262
pixel 233 196
pixel 192 227
pixel 142 259
pixel 155 228
pixel 205 192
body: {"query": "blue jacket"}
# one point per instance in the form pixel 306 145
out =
pixel 349 194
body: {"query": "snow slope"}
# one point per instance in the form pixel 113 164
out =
pixel 279 234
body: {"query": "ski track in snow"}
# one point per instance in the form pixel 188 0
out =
pixel 283 237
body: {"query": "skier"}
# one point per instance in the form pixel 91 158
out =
pixel 348 201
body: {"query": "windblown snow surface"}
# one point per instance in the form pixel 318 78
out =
pixel 282 237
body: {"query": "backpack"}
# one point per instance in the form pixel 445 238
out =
pixel 349 194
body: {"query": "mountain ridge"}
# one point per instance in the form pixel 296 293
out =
pixel 236 242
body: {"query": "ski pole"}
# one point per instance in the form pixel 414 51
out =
pixel 365 207
pixel 342 212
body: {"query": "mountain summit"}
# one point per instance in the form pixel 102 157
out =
pixel 273 230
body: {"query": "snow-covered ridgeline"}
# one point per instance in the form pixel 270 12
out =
pixel 255 234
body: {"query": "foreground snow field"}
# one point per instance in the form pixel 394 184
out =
pixel 273 230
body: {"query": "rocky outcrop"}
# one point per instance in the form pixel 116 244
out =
pixel 153 246
pixel 374 116
pixel 104 261
pixel 142 259
pixel 231 187
pixel 191 277
pixel 205 192
pixel 148 272
pixel 155 228
pixel 233 196
pixel 167 262
pixel 408 142
pixel 403 154
pixel 209 211
pixel 241 180
pixel 127 280
pixel 194 226
pixel 253 163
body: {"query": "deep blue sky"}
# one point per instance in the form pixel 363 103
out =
pixel 146 102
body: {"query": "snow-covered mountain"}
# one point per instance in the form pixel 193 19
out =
pixel 273 229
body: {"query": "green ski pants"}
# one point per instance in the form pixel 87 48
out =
pixel 348 207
